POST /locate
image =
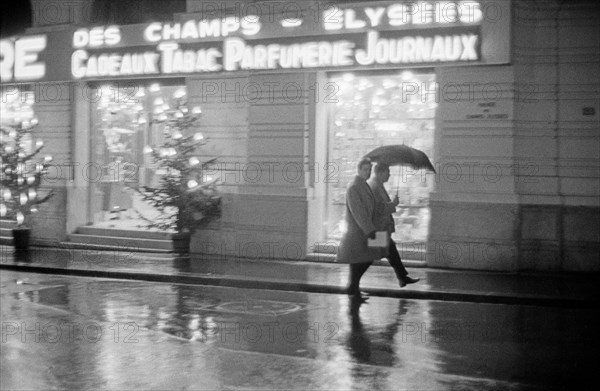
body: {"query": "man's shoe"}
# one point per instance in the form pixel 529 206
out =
pixel 364 295
pixel 359 298
pixel 358 295
pixel 407 280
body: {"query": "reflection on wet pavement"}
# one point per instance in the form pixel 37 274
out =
pixel 112 334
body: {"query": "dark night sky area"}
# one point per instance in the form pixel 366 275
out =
pixel 16 17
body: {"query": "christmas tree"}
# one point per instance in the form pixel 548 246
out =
pixel 21 167
pixel 185 196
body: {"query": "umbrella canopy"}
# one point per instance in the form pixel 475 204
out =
pixel 401 155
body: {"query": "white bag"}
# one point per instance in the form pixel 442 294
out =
pixel 381 240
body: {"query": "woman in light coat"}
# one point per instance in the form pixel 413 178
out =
pixel 384 221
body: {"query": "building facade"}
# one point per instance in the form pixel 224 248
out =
pixel 503 96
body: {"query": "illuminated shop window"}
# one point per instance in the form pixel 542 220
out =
pixel 372 111
pixel 127 120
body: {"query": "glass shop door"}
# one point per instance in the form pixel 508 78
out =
pixel 377 110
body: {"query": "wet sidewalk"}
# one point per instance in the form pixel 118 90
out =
pixel 544 289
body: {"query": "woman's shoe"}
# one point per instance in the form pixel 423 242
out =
pixel 407 280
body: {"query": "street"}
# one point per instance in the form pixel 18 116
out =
pixel 62 332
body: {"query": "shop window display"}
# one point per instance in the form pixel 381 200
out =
pixel 373 111
pixel 124 125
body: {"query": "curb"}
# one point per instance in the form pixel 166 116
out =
pixel 227 281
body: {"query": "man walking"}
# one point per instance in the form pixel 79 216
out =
pixel 383 220
pixel 354 249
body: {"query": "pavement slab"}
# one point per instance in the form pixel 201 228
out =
pixel 550 289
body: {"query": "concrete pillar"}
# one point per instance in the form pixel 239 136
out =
pixel 474 208
pixel 257 127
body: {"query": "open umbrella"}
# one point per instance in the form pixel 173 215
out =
pixel 401 155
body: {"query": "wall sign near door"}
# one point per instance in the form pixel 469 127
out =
pixel 491 110
pixel 589 111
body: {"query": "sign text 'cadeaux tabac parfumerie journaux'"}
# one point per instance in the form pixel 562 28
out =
pixel 377 35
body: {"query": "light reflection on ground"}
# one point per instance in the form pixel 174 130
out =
pixel 149 335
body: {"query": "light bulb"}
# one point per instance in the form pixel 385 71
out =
pixel 180 93
pixel 3 210
pixel 388 83
pixel 39 144
pixel 29 98
pixel 348 77
pixel 32 194
pixel 288 23
pixel 177 135
pixel 147 149
pixel 23 199
pixel 30 180
pixel 7 195
pixel 192 183
pixel 198 136
pixel 194 161
pixel 197 110
pixel 20 218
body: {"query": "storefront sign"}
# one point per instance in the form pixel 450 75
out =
pixel 20 59
pixel 377 35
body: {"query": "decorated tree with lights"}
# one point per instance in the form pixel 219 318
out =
pixel 21 170
pixel 185 196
